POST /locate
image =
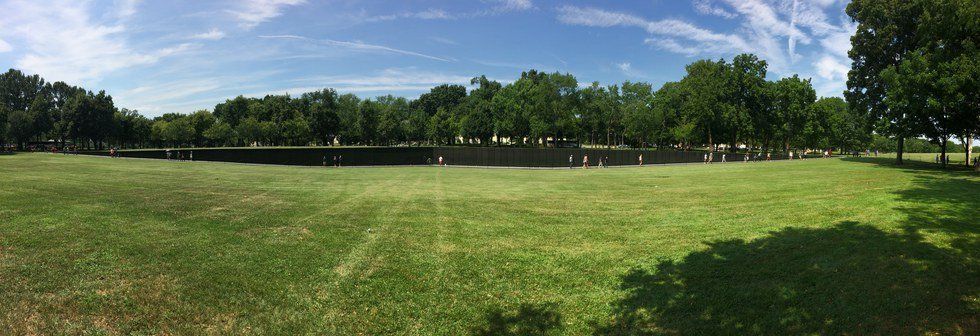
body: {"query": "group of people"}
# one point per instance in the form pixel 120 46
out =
pixel 603 161
pixel 337 160
pixel 180 155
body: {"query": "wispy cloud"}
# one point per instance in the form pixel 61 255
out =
pixel 403 80
pixel 5 47
pixel 443 40
pixel 706 7
pixel 498 7
pixel 627 69
pixel 213 34
pixel 356 45
pixel 251 13
pixel 63 42
pixel 701 38
pixel 126 8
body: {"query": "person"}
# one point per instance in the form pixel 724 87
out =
pixel 192 156
pixel 585 161
pixel 705 158
pixel 723 158
pixel 600 162
pixel 768 156
pixel 323 161
pixel 746 157
pixel 937 158
pixel 170 156
pixel 440 160
pixel 570 161
pixel 336 161
pixel 340 160
pixel 606 160
pixel 428 160
pixel 791 155
pixel 711 157
pixel 641 159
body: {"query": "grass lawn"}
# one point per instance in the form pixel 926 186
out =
pixel 91 245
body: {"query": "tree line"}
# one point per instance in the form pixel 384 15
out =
pixel 915 69
pixel 717 104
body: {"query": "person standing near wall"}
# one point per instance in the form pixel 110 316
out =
pixel 571 160
pixel 641 159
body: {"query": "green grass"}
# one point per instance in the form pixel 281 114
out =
pixel 92 245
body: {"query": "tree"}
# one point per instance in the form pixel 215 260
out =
pixel 792 97
pixel 706 93
pixel 748 115
pixel 322 115
pixel 641 122
pixel 886 33
pixel 221 134
pixel 20 126
pixel 348 113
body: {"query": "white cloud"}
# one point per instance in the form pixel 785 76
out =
pixel 499 7
pixel 63 43
pixel 706 7
pixel 672 45
pixel 668 29
pixel 625 67
pixel 251 13
pixel 213 34
pixel 126 8
pixel 356 45
pixel 831 68
pixel 429 14
pixel 388 80
pixel 514 5
pixel 5 47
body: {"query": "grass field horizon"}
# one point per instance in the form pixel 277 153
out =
pixel 92 245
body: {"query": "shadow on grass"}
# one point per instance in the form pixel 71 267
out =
pixel 846 279
pixel 909 164
pixel 526 320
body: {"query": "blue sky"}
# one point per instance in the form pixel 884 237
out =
pixel 180 56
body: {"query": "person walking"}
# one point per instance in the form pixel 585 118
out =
pixel 170 156
pixel 723 158
pixel 641 159
pixel 585 161
pixel 571 160
pixel 711 157
pixel 768 156
pixel 705 158
pixel 192 156
pixel 440 160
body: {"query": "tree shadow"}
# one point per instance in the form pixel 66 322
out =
pixel 849 278
pixel 909 164
pixel 846 279
pixel 538 319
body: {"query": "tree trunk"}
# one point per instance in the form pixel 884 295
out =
pixel 942 153
pixel 967 141
pixel 901 149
